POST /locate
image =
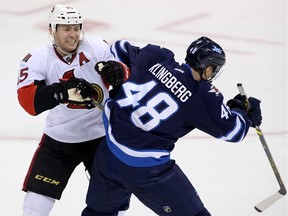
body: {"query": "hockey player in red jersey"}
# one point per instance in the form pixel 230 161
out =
pixel 61 78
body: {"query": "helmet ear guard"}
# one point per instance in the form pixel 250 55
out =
pixel 204 52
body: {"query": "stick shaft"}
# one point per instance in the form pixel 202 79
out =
pixel 271 161
pixel 264 143
pixel 98 105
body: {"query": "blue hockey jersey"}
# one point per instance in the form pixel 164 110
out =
pixel 161 102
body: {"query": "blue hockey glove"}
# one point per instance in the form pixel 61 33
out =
pixel 254 111
pixel 236 102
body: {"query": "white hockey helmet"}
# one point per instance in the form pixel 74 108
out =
pixel 64 14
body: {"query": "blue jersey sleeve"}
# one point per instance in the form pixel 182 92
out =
pixel 215 117
pixel 124 51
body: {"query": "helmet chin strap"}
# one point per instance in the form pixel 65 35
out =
pixel 51 35
pixel 66 53
pixel 201 74
pixel 211 78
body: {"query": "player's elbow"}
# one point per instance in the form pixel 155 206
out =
pixel 26 100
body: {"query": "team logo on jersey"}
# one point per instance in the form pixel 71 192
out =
pixel 167 209
pixel 69 74
pixel 99 92
pixel 214 90
pixel 89 104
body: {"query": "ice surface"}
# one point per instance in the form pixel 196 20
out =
pixel 230 178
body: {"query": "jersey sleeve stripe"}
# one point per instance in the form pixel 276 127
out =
pixel 26 95
pixel 238 132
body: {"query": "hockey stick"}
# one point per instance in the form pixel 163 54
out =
pixel 74 95
pixel 263 205
pixel 97 104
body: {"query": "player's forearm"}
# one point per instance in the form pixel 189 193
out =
pixel 36 98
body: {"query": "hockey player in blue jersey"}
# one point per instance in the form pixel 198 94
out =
pixel 160 102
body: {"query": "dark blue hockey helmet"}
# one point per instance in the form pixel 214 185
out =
pixel 204 52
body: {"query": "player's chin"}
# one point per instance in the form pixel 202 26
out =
pixel 71 48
